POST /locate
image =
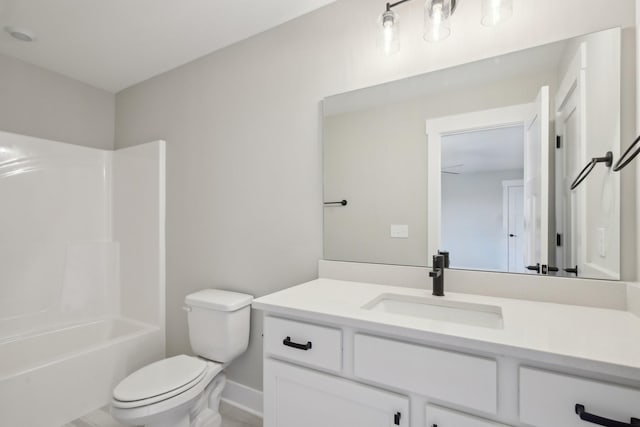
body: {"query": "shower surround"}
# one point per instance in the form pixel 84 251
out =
pixel 82 274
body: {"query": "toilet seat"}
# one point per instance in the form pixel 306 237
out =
pixel 162 380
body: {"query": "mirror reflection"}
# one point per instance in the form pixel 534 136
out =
pixel 479 160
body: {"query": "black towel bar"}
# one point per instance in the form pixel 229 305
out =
pixel 341 203
pixel 628 155
pixel 607 159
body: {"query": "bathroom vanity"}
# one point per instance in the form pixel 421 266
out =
pixel 349 354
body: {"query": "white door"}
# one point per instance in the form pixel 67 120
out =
pixel 515 228
pixel 536 182
pixel 296 397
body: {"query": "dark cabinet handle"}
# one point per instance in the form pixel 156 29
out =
pixel 595 419
pixel 287 341
pixel 553 269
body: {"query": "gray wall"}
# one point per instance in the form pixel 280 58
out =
pixel 244 169
pixel 472 226
pixel 44 104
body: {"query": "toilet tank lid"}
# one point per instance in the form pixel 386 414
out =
pixel 216 299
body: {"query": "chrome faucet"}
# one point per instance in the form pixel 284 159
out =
pixel 440 262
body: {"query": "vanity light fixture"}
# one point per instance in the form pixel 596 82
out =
pixel 495 12
pixel 437 20
pixel 389 38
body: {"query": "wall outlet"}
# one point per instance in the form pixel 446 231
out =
pixel 398 231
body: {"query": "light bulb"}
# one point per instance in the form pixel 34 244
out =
pixel 389 41
pixel 436 20
pixel 495 12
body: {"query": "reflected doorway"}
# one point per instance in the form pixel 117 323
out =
pixel 483 198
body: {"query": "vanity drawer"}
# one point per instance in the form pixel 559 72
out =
pixel 456 378
pixel 312 345
pixel 548 399
pixel 441 417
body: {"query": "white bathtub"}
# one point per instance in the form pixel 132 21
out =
pixel 53 377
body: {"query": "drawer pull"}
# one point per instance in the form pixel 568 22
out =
pixel 595 419
pixel 287 341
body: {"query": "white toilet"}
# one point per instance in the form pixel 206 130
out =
pixel 184 391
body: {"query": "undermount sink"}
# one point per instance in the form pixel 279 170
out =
pixel 488 316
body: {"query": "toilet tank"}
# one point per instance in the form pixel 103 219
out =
pixel 218 323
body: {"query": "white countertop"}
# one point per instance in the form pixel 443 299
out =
pixel 594 339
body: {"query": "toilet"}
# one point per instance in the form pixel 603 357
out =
pixel 185 391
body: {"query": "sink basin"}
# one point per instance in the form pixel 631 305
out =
pixel 487 316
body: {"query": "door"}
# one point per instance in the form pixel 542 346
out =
pixel 296 397
pixel 515 228
pixel 536 182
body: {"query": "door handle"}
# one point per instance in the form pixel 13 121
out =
pixel 573 270
pixel 601 421
pixel 535 268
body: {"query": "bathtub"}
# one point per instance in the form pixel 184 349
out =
pixel 52 377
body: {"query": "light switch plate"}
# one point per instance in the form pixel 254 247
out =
pixel 602 242
pixel 399 231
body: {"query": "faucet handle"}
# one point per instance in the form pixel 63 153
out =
pixel 438 261
pixel 446 256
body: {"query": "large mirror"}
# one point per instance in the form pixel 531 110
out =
pixel 480 160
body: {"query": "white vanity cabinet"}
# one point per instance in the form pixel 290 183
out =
pixel 318 375
pixel 550 399
pixel 331 362
pixel 453 377
pixel 296 397
pixel 436 416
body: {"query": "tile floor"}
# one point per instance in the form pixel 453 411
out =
pixel 231 417
pixel 234 417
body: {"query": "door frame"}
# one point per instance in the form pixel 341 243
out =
pixel 436 129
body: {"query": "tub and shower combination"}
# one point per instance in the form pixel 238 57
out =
pixel 81 275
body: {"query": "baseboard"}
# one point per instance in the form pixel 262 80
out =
pixel 243 397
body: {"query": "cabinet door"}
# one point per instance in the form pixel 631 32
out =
pixel 441 417
pixel 549 399
pixel 295 397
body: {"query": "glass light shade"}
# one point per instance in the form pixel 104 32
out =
pixel 495 12
pixel 389 39
pixel 437 20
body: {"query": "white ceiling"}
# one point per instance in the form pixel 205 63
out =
pixel 484 150
pixel 113 44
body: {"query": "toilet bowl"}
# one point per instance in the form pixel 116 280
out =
pixel 185 391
